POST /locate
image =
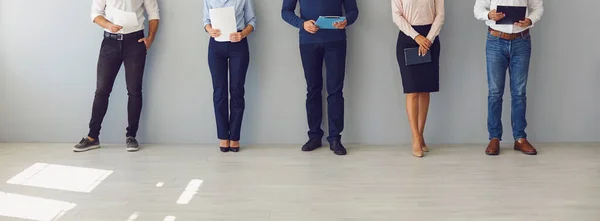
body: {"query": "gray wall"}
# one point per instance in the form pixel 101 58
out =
pixel 49 49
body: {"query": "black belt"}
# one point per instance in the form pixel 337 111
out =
pixel 122 37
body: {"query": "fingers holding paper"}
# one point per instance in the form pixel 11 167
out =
pixel 114 28
pixel 236 37
pixel 340 25
pixel 215 33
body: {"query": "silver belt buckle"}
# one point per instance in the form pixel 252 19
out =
pixel 119 37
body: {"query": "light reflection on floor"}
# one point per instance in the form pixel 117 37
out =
pixel 169 218
pixel 50 176
pixel 190 191
pixel 65 178
pixel 32 208
pixel 69 178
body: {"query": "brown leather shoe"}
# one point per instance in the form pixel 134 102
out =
pixel 525 147
pixel 493 148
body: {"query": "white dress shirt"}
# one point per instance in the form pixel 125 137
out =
pixel 482 8
pixel 103 8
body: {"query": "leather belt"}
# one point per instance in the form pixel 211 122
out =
pixel 121 37
pixel 508 36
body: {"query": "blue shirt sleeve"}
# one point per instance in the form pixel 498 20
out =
pixel 288 13
pixel 250 14
pixel 351 9
pixel 206 15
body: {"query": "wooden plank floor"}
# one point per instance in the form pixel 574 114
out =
pixel 281 183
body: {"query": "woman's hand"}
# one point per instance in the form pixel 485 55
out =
pixel 236 37
pixel 424 44
pixel 422 51
pixel 212 32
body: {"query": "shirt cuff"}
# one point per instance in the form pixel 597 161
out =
pixel 532 21
pixel 431 38
pixel 300 24
pixel 413 34
pixel 204 26
pixel 486 16
pixel 153 17
pixel 95 15
pixel 253 26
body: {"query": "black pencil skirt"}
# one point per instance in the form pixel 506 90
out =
pixel 420 77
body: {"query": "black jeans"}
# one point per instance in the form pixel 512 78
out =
pixel 228 63
pixel 113 54
pixel 334 55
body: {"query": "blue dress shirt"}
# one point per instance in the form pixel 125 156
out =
pixel 244 11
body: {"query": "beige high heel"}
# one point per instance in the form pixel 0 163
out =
pixel 424 147
pixel 418 153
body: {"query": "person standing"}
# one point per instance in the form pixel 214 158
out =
pixel 121 45
pixel 508 47
pixel 318 45
pixel 228 63
pixel 420 23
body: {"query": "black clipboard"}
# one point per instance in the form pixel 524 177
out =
pixel 512 14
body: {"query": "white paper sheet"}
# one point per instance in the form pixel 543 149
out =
pixel 224 20
pixel 123 18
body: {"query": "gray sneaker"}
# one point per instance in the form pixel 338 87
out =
pixel 132 144
pixel 86 144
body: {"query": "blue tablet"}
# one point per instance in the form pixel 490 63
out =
pixel 326 22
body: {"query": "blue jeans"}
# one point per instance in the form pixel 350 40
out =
pixel 512 55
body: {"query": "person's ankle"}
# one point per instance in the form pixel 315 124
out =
pixel 235 144
pixel 224 143
pixel 91 139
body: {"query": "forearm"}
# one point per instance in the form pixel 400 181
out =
pixel 247 31
pixel 481 10
pixel 153 28
pixel 289 15
pixel 291 18
pixel 102 22
pixel 536 9
pixel 436 28
pixel 351 9
pixel 438 21
pixel 208 27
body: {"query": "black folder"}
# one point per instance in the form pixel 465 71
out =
pixel 512 14
pixel 412 57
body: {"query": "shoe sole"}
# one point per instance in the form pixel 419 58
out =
pixel 132 149
pixel 492 154
pixel 312 149
pixel 79 150
pixel 531 154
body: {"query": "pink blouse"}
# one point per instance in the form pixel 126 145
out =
pixel 407 13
